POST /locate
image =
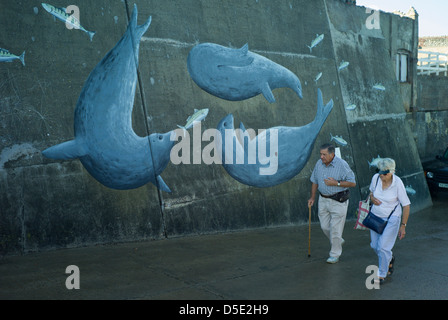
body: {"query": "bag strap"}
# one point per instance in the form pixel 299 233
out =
pixel 368 195
pixel 392 211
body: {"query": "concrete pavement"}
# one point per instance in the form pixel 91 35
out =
pixel 253 264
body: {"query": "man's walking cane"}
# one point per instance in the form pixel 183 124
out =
pixel 309 231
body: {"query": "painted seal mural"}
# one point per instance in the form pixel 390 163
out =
pixel 287 150
pixel 238 74
pixel 105 141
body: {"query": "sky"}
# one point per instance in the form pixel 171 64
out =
pixel 433 19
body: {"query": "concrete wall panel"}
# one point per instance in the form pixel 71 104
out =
pixel 47 204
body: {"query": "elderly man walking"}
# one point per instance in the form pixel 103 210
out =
pixel 332 177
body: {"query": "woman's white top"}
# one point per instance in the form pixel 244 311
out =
pixel 389 197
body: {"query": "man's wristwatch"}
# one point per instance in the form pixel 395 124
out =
pixel 339 183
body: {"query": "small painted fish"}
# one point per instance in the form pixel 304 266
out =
pixel 379 86
pixel 339 140
pixel 350 107
pixel 318 77
pixel 198 115
pixel 62 15
pixel 316 41
pixel 374 162
pixel 410 190
pixel 6 56
pixel 343 65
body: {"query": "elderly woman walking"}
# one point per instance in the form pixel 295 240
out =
pixel 387 193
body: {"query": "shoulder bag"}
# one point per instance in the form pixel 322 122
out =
pixel 363 211
pixel 375 223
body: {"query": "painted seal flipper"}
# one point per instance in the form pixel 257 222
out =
pixel 237 58
pixel 137 31
pixel 133 24
pixel 242 132
pixel 65 151
pixel 162 185
pixel 267 92
pixel 322 112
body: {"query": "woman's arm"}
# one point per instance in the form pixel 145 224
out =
pixel 404 221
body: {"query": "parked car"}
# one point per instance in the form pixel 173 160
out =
pixel 436 173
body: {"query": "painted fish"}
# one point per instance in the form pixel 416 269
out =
pixel 339 140
pixel 350 107
pixel 198 115
pixel 316 41
pixel 379 86
pixel 318 77
pixel 62 15
pixel 410 190
pixel 343 65
pixel 6 56
pixel 374 162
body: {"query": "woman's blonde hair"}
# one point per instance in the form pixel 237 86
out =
pixel 386 164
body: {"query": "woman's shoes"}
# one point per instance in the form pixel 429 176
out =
pixel 379 281
pixel 391 266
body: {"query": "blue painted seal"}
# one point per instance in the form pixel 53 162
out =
pixel 238 74
pixel 105 141
pixel 286 155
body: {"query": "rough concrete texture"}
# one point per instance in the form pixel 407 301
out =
pixel 48 204
pixel 431 91
pixel 430 130
pixel 430 121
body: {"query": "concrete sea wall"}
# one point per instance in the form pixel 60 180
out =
pixel 429 122
pixel 47 204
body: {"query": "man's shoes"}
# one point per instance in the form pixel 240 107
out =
pixel 332 260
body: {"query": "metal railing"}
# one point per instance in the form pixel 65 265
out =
pixel 432 63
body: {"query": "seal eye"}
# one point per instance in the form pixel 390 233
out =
pixel 160 137
pixel 225 124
